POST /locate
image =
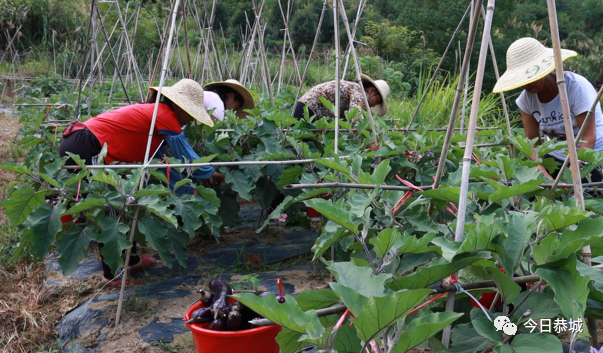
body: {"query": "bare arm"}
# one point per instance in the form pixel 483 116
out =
pixel 590 132
pixel 530 126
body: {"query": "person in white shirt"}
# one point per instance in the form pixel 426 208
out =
pixel 530 65
pixel 229 94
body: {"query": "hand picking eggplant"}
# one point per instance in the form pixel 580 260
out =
pixel 200 316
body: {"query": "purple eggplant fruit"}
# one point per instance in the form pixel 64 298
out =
pixel 280 299
pixel 217 325
pixel 233 321
pixel 200 316
pixel 221 291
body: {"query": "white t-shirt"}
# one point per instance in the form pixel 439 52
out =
pixel 212 100
pixel 581 95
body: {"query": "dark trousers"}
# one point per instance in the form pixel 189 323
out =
pixel 86 145
pixel 595 175
pixel 298 111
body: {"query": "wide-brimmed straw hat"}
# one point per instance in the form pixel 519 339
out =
pixel 383 89
pixel 528 61
pixel 248 102
pixel 188 95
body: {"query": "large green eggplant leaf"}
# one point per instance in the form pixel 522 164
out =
pixel 72 247
pixel 336 212
pixel 107 177
pixel 571 288
pixel 190 210
pixel 160 208
pixel 360 279
pixel 480 237
pixel 288 314
pixel 312 299
pixel 153 189
pixel 290 176
pixel 518 232
pixel 91 201
pixel 448 248
pixel 345 341
pixel 45 224
pixel 596 275
pixel 266 192
pixel 349 297
pixel 505 285
pixel 20 168
pixel 113 236
pixel 359 202
pixel 410 244
pixel 486 328
pixel 229 209
pixel 380 172
pixel 21 203
pixel 432 272
pixel 465 339
pixel 450 194
pixel 379 312
pixel 541 305
pixel 562 216
pixel 276 213
pixel 156 234
pixel 339 166
pixel 241 183
pixel 288 341
pixel 331 234
pixel 509 191
pixel 536 343
pixel 388 239
pixel 421 329
pixel 179 240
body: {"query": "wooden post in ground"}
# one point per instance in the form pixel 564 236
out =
pixel 466 166
pixel 146 159
pixel 571 146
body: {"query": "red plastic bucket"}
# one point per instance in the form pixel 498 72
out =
pixel 255 340
pixel 312 213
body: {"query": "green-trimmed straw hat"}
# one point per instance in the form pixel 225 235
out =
pixel 528 61
pixel 188 95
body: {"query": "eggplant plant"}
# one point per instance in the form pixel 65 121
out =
pixel 394 250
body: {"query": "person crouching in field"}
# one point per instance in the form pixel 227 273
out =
pixel 230 94
pixel 351 96
pixel 530 66
pixel 126 131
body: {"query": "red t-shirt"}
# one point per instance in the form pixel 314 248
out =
pixel 126 130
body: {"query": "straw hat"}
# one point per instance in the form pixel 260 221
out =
pixel 383 89
pixel 528 61
pixel 248 102
pixel 188 95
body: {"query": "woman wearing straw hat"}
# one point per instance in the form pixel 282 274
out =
pixel 125 131
pixel 230 94
pixel 530 65
pixel 351 96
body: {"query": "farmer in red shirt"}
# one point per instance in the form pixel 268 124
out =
pixel 125 131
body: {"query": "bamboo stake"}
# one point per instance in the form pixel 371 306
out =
pixel 437 69
pixel 361 6
pixel 571 145
pixel 303 78
pixel 129 48
pixel 589 115
pixel 457 98
pixel 466 86
pixel 358 72
pixel 160 53
pixel 284 52
pixel 295 67
pixel 188 53
pixel 497 74
pixel 146 160
pixel 337 80
pixel 80 74
pixel 263 59
pixel 462 209
pixel 123 85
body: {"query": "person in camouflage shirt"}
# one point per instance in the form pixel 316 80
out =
pixel 351 96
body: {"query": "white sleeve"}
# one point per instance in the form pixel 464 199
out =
pixel 211 100
pixel 581 94
pixel 523 102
